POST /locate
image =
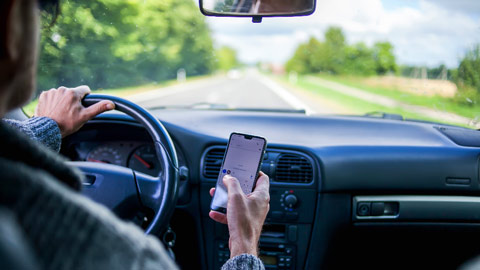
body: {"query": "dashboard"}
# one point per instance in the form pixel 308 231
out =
pixel 366 189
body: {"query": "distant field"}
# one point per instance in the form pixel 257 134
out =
pixel 436 102
pixel 360 107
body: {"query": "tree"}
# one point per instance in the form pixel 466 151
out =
pixel 359 60
pixel 335 56
pixel 227 58
pixel 303 61
pixel 105 43
pixel 384 58
pixel 469 69
pixel 329 56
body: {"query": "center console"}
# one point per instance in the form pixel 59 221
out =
pixel 286 234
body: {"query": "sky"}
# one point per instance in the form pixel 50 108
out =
pixel 423 32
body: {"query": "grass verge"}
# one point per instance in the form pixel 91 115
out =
pixel 355 105
pixel 433 102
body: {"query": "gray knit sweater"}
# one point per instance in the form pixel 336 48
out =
pixel 41 129
pixel 62 228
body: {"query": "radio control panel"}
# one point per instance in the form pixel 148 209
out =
pixel 273 256
pixel 291 205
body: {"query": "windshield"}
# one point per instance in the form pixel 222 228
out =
pixel 416 58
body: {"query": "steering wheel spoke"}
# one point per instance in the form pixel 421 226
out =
pixel 110 185
pixel 150 190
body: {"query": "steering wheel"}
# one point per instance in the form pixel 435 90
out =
pixel 120 188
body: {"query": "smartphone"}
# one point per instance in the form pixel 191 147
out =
pixel 242 160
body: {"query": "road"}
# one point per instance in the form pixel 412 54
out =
pixel 256 91
pixel 250 90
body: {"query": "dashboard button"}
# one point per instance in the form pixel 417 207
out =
pixel 377 208
pixel 363 209
pixel 291 200
pixel 292 233
pixel 277 215
pixel 292 216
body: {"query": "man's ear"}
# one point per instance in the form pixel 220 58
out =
pixel 6 9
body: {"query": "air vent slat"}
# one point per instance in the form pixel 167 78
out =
pixel 290 167
pixel 294 168
pixel 213 162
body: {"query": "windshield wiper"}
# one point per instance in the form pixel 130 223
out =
pixel 301 111
pixel 384 115
pixel 399 117
pixel 198 105
pixel 225 107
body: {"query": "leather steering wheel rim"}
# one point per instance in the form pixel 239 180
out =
pixel 157 193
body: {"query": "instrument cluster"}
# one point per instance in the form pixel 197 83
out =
pixel 137 155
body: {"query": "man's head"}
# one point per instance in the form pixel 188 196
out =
pixel 19 32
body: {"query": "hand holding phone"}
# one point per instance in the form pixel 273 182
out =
pixel 242 160
pixel 233 201
pixel 245 215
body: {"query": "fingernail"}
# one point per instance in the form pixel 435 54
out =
pixel 110 106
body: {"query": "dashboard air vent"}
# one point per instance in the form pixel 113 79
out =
pixel 294 168
pixel 213 162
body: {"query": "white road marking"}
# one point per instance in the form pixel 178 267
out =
pixel 285 95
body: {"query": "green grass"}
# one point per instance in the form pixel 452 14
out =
pixel 29 109
pixel 433 102
pixel 355 105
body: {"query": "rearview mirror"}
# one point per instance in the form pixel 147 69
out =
pixel 257 8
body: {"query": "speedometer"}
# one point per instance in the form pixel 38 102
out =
pixel 144 159
pixel 105 154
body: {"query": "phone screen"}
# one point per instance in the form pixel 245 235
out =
pixel 242 160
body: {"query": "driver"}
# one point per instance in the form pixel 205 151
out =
pixel 44 222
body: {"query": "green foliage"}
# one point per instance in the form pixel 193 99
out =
pixel 107 43
pixel 316 56
pixel 384 58
pixel 223 6
pixel 468 75
pixel 301 62
pixel 467 96
pixel 359 60
pixel 227 58
pixel 335 56
pixel 333 53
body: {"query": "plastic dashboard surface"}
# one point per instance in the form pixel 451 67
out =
pixel 354 153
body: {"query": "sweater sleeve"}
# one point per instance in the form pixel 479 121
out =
pixel 243 262
pixel 41 129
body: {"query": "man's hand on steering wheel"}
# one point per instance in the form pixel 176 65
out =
pixel 64 106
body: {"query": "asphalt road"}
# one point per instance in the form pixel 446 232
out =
pixel 250 90
pixel 253 90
